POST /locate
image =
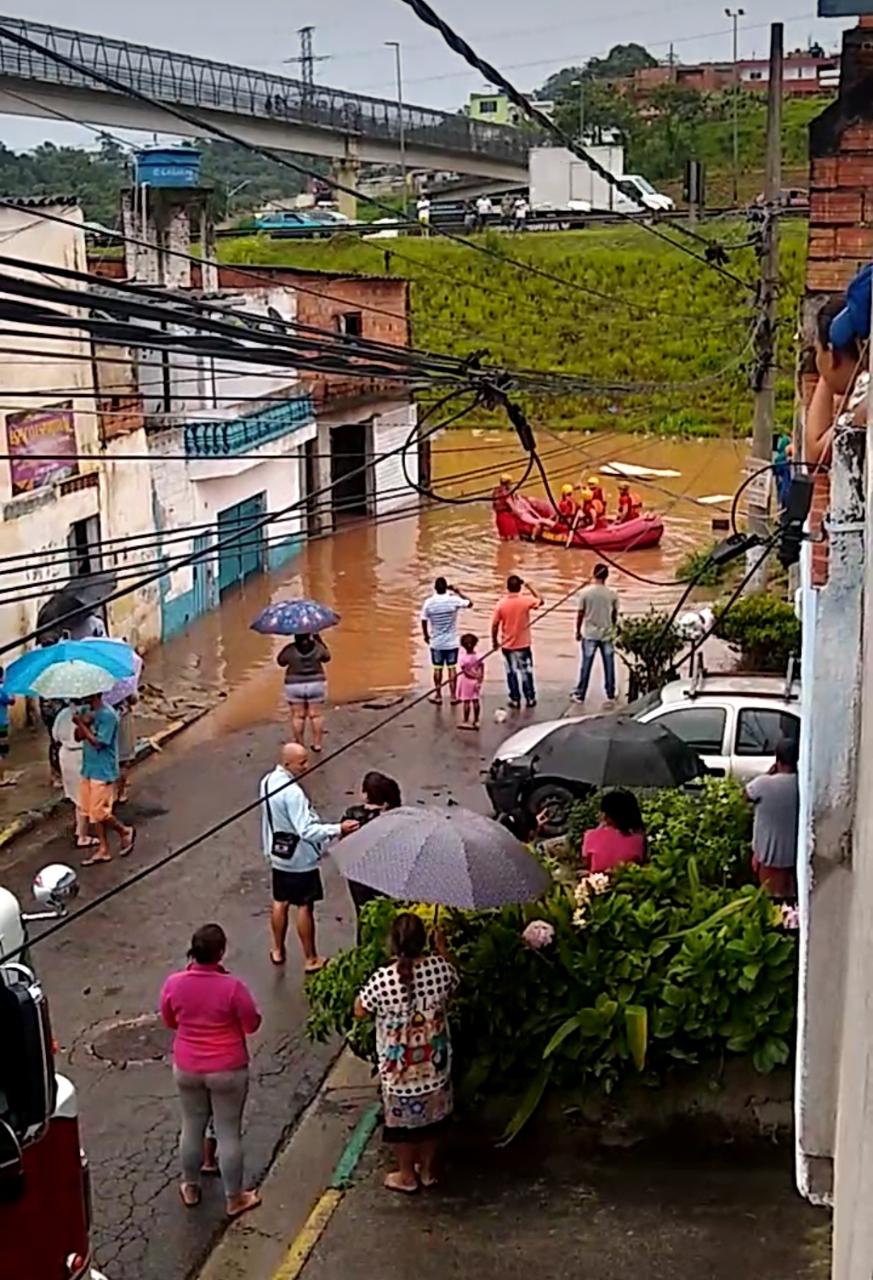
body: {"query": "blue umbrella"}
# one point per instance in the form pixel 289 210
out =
pixel 295 618
pixel 117 659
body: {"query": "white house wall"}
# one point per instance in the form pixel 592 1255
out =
pixel 391 430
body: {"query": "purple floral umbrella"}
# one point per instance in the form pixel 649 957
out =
pixel 295 618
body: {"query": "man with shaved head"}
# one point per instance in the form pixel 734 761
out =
pixel 295 840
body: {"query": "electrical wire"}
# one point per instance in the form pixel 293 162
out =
pixel 429 16
pixel 192 118
pixel 196 556
pixel 253 806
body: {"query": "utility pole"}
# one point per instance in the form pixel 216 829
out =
pixel 580 85
pixel 765 332
pixel 306 60
pixel 398 69
pixel 735 15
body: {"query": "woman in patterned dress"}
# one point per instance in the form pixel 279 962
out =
pixel 408 999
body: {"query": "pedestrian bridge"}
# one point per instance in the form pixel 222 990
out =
pixel 258 106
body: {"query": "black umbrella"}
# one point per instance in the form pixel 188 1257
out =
pixel 76 597
pixel 616 751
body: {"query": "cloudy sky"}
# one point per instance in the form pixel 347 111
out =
pixel 527 40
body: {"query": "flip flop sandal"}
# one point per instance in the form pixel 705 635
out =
pixel 189 1204
pixel 403 1191
pixel 128 848
pixel 93 862
pixel 253 1204
pixel 278 962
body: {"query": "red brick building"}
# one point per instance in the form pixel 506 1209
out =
pixel 804 75
pixel 840 214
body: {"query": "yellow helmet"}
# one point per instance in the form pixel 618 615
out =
pixel 567 489
pixel 593 482
pixel 587 495
pixel 506 478
pixel 624 486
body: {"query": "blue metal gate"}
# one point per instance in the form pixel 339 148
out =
pixel 244 555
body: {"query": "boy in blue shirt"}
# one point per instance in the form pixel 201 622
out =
pixel 97 730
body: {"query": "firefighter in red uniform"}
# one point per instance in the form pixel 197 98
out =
pixel 504 514
pixel 597 490
pixel 567 505
pixel 629 504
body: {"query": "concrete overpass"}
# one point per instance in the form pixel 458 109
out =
pixel 258 106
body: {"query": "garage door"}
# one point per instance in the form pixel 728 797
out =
pixel 244 554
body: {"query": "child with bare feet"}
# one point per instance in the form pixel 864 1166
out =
pixel 471 674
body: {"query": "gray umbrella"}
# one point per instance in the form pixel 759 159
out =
pixel 451 857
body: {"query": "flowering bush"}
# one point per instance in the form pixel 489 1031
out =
pixel 672 962
pixel 538 934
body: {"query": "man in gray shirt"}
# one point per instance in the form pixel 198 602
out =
pixel 595 626
pixel 774 836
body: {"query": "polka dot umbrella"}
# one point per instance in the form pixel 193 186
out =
pixel 451 857
pixel 72 679
pixel 295 618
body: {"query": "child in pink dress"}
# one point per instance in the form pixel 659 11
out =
pixel 471 673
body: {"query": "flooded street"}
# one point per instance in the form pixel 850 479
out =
pixel 376 575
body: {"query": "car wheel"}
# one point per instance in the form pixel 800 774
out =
pixel 555 799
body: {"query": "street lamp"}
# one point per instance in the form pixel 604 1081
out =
pixel 395 45
pixel 735 15
pixel 580 85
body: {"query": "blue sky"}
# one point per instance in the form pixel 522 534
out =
pixel 526 40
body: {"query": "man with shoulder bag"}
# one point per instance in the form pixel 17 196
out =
pixel 294 842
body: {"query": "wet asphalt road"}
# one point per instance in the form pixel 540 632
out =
pixel 103 973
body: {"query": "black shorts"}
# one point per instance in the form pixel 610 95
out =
pixel 300 888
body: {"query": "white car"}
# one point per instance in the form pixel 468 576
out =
pixel 733 722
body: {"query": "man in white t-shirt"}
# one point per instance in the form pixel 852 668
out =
pixel 439 626
pixel 423 209
pixel 484 210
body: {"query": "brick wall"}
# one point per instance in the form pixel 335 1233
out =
pixel 840 218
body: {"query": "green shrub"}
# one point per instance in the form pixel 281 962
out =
pixel 763 629
pixel 648 646
pixel 665 963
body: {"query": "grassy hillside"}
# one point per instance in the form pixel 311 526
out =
pixel 667 320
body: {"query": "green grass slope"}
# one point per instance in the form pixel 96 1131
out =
pixel 666 320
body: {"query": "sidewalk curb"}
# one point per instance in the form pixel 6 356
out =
pixel 315 1225
pixel 305 1183
pixel 32 818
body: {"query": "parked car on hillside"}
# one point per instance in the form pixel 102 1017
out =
pixel 732 721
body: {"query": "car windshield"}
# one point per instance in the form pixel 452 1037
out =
pixel 647 702
pixel 643 184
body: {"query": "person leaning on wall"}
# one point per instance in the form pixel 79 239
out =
pixel 841 360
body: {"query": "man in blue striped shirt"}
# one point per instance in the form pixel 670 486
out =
pixel 439 626
pixel 294 842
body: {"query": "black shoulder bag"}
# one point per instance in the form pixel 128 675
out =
pixel 284 843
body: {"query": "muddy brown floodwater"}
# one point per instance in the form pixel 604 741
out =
pixel 376 575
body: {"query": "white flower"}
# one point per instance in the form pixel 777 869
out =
pixel 580 919
pixel 539 934
pixel 790 917
pixel 598 882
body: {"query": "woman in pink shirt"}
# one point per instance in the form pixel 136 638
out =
pixel 211 1013
pixel 620 837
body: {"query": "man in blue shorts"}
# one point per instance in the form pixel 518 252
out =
pixel 439 626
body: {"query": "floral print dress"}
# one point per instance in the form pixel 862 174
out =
pixel 412 1041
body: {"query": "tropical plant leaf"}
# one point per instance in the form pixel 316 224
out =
pixel 636 1021
pixel 528 1105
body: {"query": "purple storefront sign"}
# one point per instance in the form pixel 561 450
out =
pixel 40 443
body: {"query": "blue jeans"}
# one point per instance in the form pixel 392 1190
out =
pixel 519 663
pixel 607 654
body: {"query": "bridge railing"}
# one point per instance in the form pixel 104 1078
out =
pixel 200 83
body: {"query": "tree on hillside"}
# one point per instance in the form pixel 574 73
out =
pixel 605 108
pixel 622 60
